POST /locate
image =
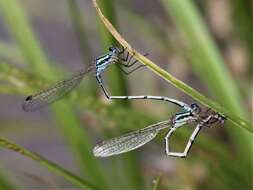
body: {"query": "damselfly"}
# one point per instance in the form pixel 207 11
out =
pixel 115 56
pixel 136 139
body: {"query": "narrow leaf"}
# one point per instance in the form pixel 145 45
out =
pixel 72 178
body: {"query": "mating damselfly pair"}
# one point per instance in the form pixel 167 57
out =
pixel 121 58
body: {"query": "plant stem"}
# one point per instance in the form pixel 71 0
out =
pixel 75 180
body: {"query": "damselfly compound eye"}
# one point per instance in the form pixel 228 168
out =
pixel 195 107
pixel 111 48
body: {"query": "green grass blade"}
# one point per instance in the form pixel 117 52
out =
pixel 156 183
pixel 6 183
pixel 18 24
pixel 208 64
pixel 242 17
pixel 16 19
pixel 80 33
pixel 79 28
pixel 9 52
pixel 75 180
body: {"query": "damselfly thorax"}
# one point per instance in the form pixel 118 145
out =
pixel 104 61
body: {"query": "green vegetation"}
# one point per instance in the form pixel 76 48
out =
pixel 214 163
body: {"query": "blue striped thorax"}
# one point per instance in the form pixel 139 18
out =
pixel 182 118
pixel 188 116
pixel 104 61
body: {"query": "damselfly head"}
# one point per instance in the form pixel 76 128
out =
pixel 114 50
pixel 195 108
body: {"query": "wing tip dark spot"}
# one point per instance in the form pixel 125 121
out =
pixel 25 105
pixel 28 98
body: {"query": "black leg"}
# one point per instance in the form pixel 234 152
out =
pixel 131 71
pixel 136 68
pixel 100 82
pixel 124 59
pixel 125 72
pixel 129 64
pixel 122 50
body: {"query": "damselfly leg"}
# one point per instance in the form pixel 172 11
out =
pixel 206 120
pixel 125 61
pixel 188 146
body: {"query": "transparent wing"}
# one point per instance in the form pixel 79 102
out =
pixel 129 141
pixel 54 93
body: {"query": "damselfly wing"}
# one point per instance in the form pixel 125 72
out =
pixel 54 93
pixel 129 141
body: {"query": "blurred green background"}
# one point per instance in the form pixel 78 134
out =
pixel 207 44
